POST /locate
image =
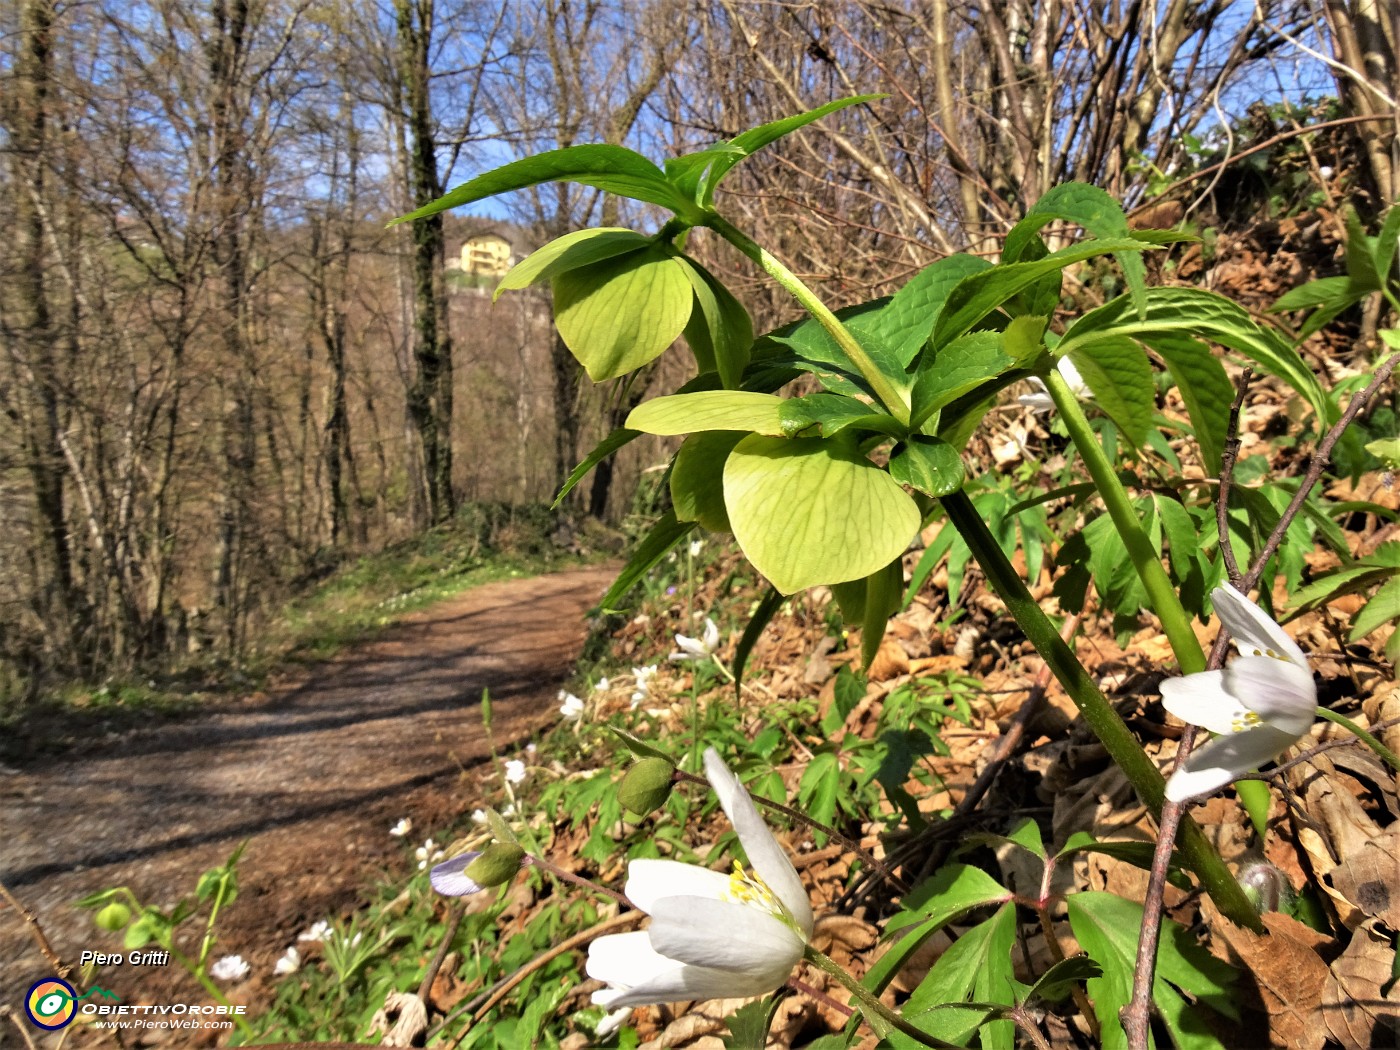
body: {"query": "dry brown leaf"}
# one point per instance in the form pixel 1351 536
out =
pixel 1352 1005
pixel 1288 976
pixel 890 661
pixel 835 932
pixel 1383 706
pixel 697 1028
pixel 1337 826
pixel 1370 878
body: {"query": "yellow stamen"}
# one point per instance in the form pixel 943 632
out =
pixel 1244 721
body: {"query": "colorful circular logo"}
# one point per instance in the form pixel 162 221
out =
pixel 51 1003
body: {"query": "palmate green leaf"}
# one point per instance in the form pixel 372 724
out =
pixel 808 511
pixel 1205 389
pixel 748 1025
pixel 721 323
pixel 1361 259
pixel 1117 373
pixel 1316 293
pixel 814 344
pixel 1382 609
pixel 1106 927
pixel 570 252
pixel 688 171
pixel 615 169
pixel 817 790
pixel 832 413
pixel 953 889
pixel 1089 207
pixel 697 478
pixel 1056 983
pixel 618 314
pixel 1207 316
pixel 1387 242
pixel 753 140
pixel 961 366
pixel 977 296
pixel 709 410
pixel 977 966
pixel 908 319
pixel 927 464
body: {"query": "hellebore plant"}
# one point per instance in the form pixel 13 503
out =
pixel 712 935
pixel 1260 705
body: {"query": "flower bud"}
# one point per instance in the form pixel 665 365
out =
pixel 497 864
pixel 1267 888
pixel 477 870
pixel 113 917
pixel 647 786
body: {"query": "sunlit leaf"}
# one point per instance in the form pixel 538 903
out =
pixel 808 511
pixel 570 252
pixel 615 169
pixel 928 464
pixel 617 315
pixel 709 410
pixel 697 478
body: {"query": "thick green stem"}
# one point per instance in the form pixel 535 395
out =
pixel 896 402
pixel 1388 756
pixel 1146 559
pixel 880 1017
pixel 1098 713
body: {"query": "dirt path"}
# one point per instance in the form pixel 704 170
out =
pixel 313 776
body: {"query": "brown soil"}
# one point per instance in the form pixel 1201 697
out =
pixel 311 775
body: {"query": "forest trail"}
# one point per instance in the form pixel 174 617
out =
pixel 312 775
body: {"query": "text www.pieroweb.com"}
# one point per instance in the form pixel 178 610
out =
pixel 178 1016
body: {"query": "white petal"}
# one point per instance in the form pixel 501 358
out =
pixel 1281 693
pixel 639 975
pixel 1224 759
pixel 711 638
pixel 766 856
pixel 1074 378
pixel 1202 700
pixel 450 878
pixel 1253 632
pixel 650 880
pixel 1037 402
pixel 741 938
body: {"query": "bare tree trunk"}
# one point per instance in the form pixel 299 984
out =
pixel 1366 43
pixel 430 396
pixel 57 597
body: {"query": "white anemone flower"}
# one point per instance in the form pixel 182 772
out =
pixel 515 771
pixel 712 935
pixel 288 963
pixel 428 853
pixel 229 968
pixel 701 648
pixel 402 828
pixel 1260 705
pixel 320 931
pixel 571 708
pixel 1041 401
